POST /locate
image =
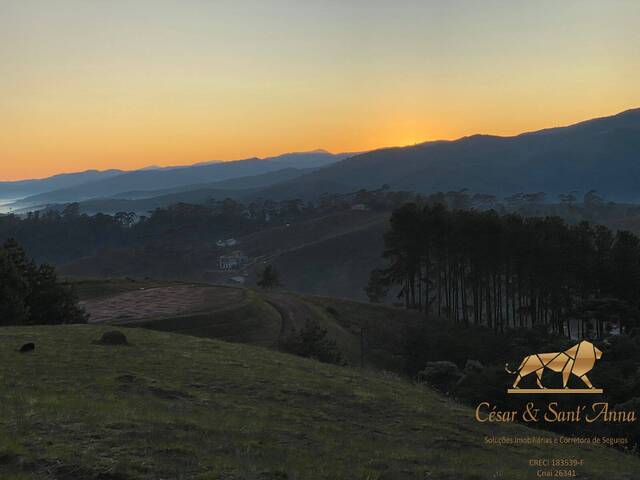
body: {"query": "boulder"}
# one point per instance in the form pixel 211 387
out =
pixel 27 347
pixel 113 337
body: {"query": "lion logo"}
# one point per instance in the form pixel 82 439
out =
pixel 578 360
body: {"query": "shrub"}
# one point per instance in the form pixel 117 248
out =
pixel 32 295
pixel 312 342
pixel 442 375
pixel 268 278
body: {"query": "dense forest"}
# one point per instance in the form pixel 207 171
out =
pixel 60 235
pixel 507 271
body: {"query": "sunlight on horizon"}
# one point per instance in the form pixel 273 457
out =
pixel 96 85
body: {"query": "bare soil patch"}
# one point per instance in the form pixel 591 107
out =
pixel 162 302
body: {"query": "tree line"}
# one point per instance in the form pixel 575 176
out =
pixel 508 271
pixel 64 234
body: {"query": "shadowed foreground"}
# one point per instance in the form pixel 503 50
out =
pixel 173 406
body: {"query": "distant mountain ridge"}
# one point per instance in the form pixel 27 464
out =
pixel 64 180
pixel 107 185
pixel 601 154
pixel 142 202
pixel 236 183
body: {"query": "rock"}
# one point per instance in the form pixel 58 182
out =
pixel 473 366
pixel 113 337
pixel 27 347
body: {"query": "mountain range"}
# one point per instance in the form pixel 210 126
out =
pixel 149 182
pixel 23 188
pixel 601 154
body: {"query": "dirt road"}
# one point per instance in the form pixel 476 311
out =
pixel 294 312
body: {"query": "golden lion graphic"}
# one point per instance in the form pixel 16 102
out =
pixel 578 360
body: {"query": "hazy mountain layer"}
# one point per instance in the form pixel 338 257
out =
pixel 171 178
pixel 24 188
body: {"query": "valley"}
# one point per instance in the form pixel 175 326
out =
pixel 330 240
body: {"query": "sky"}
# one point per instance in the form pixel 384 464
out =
pixel 126 84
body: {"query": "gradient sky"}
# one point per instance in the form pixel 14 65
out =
pixel 115 83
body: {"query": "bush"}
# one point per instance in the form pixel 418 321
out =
pixel 268 278
pixel 312 342
pixel 433 341
pixel 441 375
pixel 481 385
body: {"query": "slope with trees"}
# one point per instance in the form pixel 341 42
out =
pixel 481 268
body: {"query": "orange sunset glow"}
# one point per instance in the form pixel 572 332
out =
pixel 86 85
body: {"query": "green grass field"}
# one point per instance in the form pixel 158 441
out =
pixel 180 407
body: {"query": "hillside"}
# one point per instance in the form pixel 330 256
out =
pixel 226 313
pixel 144 201
pixel 173 406
pixel 338 266
pixel 339 250
pixel 600 154
pixel 256 317
pixel 142 206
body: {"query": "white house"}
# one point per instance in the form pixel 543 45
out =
pixel 232 261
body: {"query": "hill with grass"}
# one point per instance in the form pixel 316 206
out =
pixel 177 406
pixel 247 315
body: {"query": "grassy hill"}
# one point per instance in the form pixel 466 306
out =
pixel 247 315
pixel 228 313
pixel 176 406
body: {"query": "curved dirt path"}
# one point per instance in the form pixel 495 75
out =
pixel 294 312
